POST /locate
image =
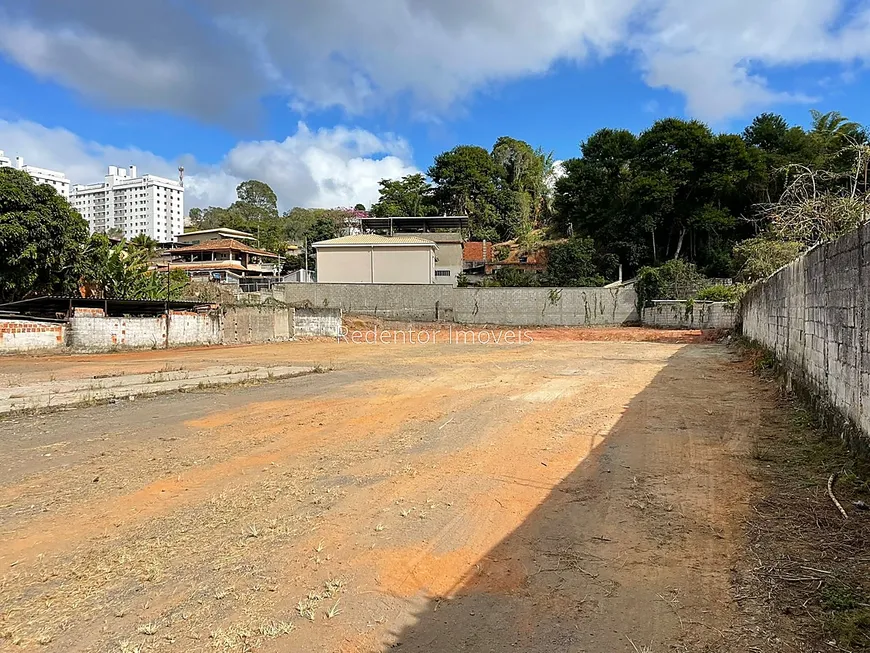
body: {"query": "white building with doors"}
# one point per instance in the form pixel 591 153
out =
pixel 133 205
pixel 370 258
pixel 53 178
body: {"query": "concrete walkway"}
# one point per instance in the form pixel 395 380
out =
pixel 51 394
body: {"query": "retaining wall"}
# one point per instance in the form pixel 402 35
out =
pixel 812 315
pixel 252 324
pixel 318 322
pixel 30 335
pixel 678 314
pixel 504 306
pixel 91 330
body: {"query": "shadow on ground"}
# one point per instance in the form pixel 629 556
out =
pixel 633 550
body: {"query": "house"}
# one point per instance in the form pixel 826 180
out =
pixel 517 259
pixel 372 258
pixel 225 259
pixel 481 259
pixel 475 255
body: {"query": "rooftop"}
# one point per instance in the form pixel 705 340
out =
pixel 408 223
pixel 222 244
pixel 436 237
pixel 54 305
pixel 375 240
pixel 235 233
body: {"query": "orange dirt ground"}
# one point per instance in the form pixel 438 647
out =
pixel 583 492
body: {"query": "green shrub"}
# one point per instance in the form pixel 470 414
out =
pixel 502 252
pixel 731 294
pixel 758 258
pixel 515 278
pixel 675 279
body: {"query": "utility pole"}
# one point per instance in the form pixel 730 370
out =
pixel 306 259
pixel 168 279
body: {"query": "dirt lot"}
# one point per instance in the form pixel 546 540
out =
pixel 563 495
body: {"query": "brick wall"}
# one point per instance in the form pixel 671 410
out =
pixel 678 314
pixel 812 314
pixel 30 335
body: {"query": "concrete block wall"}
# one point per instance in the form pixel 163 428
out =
pixel 423 303
pixel 545 306
pixel 188 328
pixel 317 322
pixel 30 335
pixel 678 314
pixel 503 306
pixel 812 315
pixel 245 324
pixel 91 330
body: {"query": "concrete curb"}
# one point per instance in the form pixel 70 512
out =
pixel 82 391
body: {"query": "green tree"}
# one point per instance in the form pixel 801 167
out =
pixel 255 211
pixel 409 196
pixel 258 194
pixel 145 243
pixel 676 279
pixel 120 271
pixel 41 239
pixel 573 263
pixel 597 197
pixel 195 216
pixel 677 190
pixel 466 184
pixel 834 125
pixel 526 170
pixel 769 132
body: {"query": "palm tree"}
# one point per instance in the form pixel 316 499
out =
pixel 146 243
pixel 834 125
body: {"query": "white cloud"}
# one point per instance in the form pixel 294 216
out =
pixel 324 168
pixel 711 51
pixel 215 58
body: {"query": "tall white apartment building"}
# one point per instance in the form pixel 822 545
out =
pixel 56 180
pixel 148 205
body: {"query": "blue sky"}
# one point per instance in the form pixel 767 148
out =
pixel 323 99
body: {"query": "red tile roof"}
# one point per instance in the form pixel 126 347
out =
pixel 220 245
